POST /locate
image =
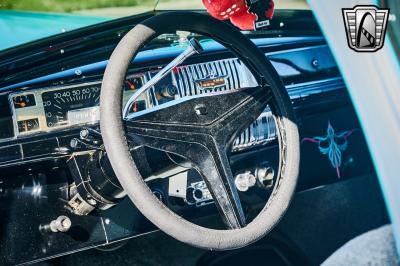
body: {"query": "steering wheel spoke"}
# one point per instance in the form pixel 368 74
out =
pixel 213 165
pixel 200 130
pixel 211 161
pixel 241 115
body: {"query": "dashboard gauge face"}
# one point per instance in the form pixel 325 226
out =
pixel 58 104
pixel 138 106
pixel 25 100
pixel 28 125
pixel 55 108
pixel 133 83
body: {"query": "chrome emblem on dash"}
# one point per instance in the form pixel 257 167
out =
pixel 212 81
pixel 365 27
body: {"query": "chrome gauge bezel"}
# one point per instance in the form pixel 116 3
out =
pixel 40 114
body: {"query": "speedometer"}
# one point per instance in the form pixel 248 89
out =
pixel 70 106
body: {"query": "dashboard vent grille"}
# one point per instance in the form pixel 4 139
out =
pixel 260 132
pixel 235 75
pixel 187 77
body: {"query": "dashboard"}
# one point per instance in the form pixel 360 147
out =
pixel 41 119
pixel 58 108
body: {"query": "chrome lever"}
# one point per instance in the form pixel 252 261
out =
pixel 194 48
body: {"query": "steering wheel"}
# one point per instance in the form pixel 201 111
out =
pixel 201 129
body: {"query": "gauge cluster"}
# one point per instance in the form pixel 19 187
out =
pixel 47 109
pixel 71 106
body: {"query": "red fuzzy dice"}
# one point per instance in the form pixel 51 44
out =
pixel 237 11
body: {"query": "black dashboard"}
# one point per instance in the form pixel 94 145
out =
pixel 51 147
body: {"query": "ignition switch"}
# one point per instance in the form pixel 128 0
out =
pixel 168 91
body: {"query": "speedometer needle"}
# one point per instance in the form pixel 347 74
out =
pixel 131 85
pixel 134 109
pixel 21 104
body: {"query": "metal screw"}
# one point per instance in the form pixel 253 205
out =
pixel 314 63
pixel 74 143
pixel 91 201
pixel 200 110
pixel 84 133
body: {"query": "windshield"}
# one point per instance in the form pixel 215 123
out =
pixel 28 20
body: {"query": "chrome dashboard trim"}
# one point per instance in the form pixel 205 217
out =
pixel 17 135
pixel 50 88
pixel 195 47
